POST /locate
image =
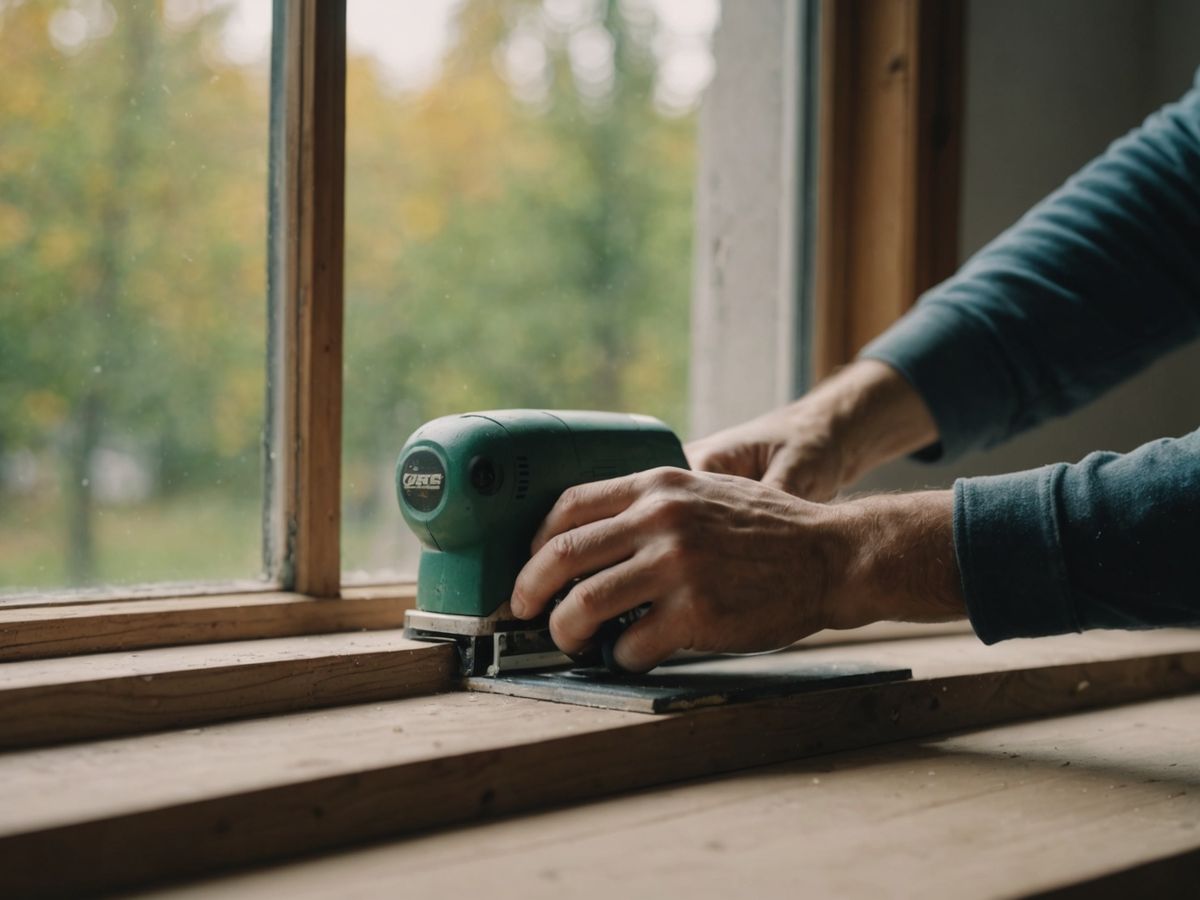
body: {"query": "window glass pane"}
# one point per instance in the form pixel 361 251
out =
pixel 518 222
pixel 133 153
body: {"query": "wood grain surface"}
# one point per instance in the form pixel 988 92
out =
pixel 890 136
pixel 62 630
pixel 133 810
pixel 54 701
pixel 1107 801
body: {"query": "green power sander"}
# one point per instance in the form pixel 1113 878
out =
pixel 475 487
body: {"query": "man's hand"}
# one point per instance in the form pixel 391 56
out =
pixel 792 449
pixel 729 564
pixel 861 417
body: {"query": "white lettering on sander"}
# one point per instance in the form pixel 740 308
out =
pixel 423 480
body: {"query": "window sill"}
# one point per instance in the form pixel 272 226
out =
pixel 64 629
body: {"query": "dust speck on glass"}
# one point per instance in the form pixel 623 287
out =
pixel 518 223
pixel 133 168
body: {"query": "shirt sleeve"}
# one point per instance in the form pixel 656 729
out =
pixel 1090 286
pixel 1110 542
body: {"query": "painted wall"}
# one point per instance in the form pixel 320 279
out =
pixel 1049 85
pixel 744 316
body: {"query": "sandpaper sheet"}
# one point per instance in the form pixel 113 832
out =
pixel 676 687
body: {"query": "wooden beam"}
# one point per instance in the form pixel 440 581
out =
pixel 181 804
pixel 50 631
pixel 308 206
pixel 890 135
pixel 130 693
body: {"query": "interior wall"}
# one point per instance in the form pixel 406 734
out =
pixel 746 274
pixel 1048 87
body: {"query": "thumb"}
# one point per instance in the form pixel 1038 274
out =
pixel 719 460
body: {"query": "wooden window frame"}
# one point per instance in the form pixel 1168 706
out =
pixel 303 549
pixel 890 165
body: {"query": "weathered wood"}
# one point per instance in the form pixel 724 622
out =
pixel 177 804
pixel 1105 800
pixel 57 630
pixel 129 693
pixel 890 136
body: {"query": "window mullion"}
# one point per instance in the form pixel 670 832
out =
pixel 308 186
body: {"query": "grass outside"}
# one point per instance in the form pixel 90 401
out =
pixel 197 537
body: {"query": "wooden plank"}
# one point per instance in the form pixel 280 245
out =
pixel 176 804
pixel 61 700
pixel 891 121
pixel 1105 800
pixel 41 632
pixel 307 295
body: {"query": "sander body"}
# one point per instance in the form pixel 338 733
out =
pixel 475 487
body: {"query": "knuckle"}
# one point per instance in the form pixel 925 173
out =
pixel 672 476
pixel 568 501
pixel 668 511
pixel 563 546
pixel 586 597
pixel 673 554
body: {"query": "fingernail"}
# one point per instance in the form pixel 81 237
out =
pixel 517 607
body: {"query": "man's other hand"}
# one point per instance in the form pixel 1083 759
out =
pixel 863 416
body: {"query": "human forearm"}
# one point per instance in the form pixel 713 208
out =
pixel 873 416
pixel 898 561
pixel 1093 284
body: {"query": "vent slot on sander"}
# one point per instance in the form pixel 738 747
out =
pixel 522 477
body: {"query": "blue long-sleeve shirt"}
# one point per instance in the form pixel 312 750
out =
pixel 1093 284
